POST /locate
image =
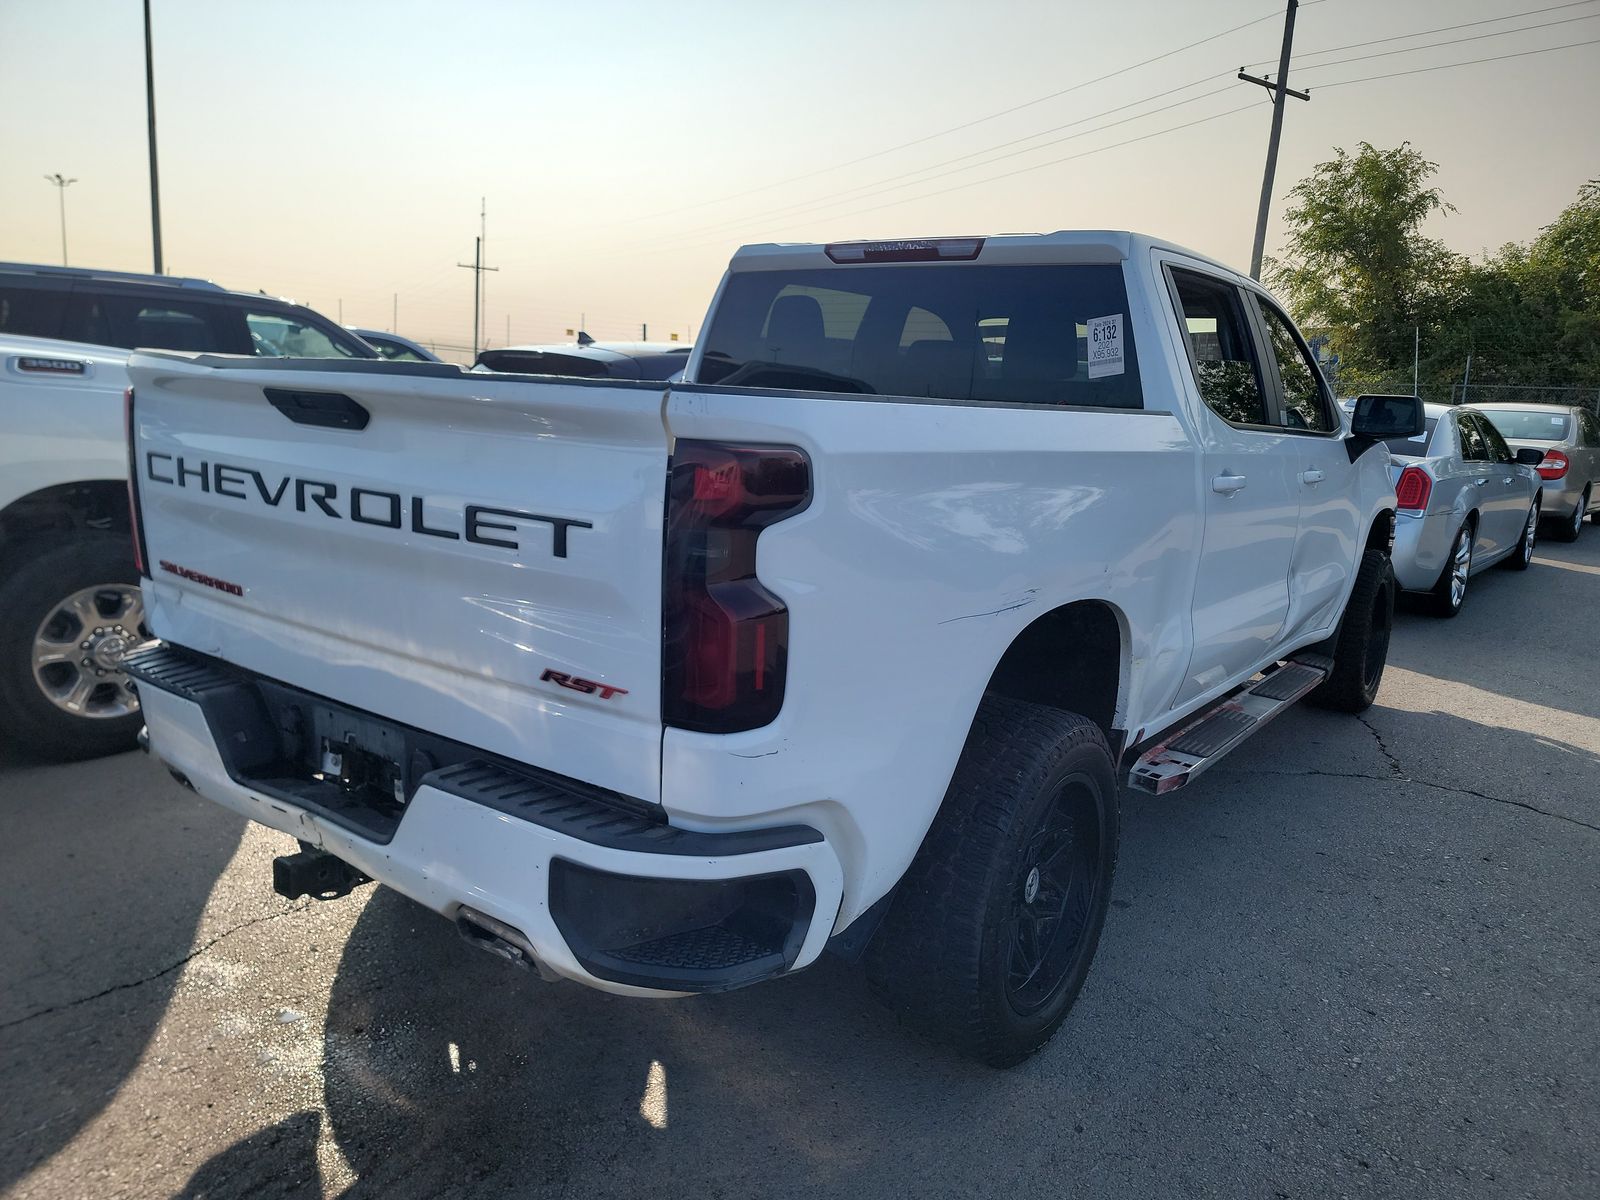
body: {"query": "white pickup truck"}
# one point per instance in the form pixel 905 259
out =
pixel 69 593
pixel 844 642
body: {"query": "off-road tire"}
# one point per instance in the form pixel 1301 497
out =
pixel 945 957
pixel 1361 646
pixel 33 580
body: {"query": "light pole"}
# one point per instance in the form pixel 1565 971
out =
pixel 150 109
pixel 60 182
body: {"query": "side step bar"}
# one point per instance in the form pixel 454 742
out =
pixel 1195 747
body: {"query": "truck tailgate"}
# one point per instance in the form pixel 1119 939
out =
pixel 478 557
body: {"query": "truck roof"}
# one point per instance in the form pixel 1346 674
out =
pixel 1062 246
pixel 174 281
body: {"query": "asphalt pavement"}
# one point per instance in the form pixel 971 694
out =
pixel 1361 958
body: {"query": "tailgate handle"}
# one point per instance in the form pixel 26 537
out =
pixel 328 410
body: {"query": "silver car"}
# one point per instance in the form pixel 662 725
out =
pixel 1465 502
pixel 1568 441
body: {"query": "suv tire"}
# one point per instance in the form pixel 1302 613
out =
pixel 994 926
pixel 36 590
pixel 1360 648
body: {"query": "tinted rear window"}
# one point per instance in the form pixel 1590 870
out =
pixel 1414 447
pixel 1530 425
pixel 1009 334
pixel 31 312
pixel 541 362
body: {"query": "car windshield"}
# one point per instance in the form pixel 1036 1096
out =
pixel 1029 335
pixel 1413 447
pixel 1530 425
pixel 282 335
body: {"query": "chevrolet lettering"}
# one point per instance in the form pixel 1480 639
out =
pixel 480 524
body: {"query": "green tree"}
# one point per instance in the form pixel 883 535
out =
pixel 1357 266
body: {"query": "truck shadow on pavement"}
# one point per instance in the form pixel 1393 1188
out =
pixel 1299 952
pixel 102 881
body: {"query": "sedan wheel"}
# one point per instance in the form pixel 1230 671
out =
pixel 1451 591
pixel 1569 530
pixel 1523 555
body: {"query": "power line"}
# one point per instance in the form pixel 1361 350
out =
pixel 1469 63
pixel 1477 37
pixel 1005 112
pixel 891 183
pixel 1399 37
pixel 894 182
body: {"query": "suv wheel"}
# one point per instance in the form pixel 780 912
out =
pixel 71 613
pixel 990 937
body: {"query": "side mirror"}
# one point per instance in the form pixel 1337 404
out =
pixel 1377 418
pixel 1529 457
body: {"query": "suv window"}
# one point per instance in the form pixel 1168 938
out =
pixel 1220 348
pixel 1473 446
pixel 284 335
pixel 1030 335
pixel 1305 403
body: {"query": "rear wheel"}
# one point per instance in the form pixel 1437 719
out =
pixel 1361 647
pixel 1450 593
pixel 992 932
pixel 68 615
pixel 1523 554
pixel 1569 529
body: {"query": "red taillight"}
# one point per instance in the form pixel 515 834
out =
pixel 1553 466
pixel 725 637
pixel 1413 489
pixel 135 516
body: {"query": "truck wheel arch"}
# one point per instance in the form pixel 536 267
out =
pixel 88 504
pixel 1381 535
pixel 1073 658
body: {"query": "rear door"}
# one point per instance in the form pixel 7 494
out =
pixel 1513 491
pixel 475 557
pixel 1329 532
pixel 1478 471
pixel 1250 470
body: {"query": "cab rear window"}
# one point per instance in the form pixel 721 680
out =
pixel 1057 335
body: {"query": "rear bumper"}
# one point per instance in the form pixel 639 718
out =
pixel 1421 546
pixel 602 895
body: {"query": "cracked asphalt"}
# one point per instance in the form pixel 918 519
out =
pixel 1362 958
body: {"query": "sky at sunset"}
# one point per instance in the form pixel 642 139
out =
pixel 336 152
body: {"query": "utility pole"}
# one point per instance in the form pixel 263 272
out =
pixel 477 268
pixel 341 313
pixel 1279 90
pixel 61 183
pixel 150 105
pixel 644 333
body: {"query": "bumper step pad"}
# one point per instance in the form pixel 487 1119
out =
pixel 1201 743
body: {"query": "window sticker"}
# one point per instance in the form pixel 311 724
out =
pixel 1105 346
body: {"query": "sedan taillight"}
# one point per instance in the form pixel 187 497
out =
pixel 1554 466
pixel 1412 490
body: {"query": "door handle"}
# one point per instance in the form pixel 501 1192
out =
pixel 1312 476
pixel 1227 485
pixel 1480 483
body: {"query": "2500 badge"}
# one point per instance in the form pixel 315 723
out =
pixel 365 506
